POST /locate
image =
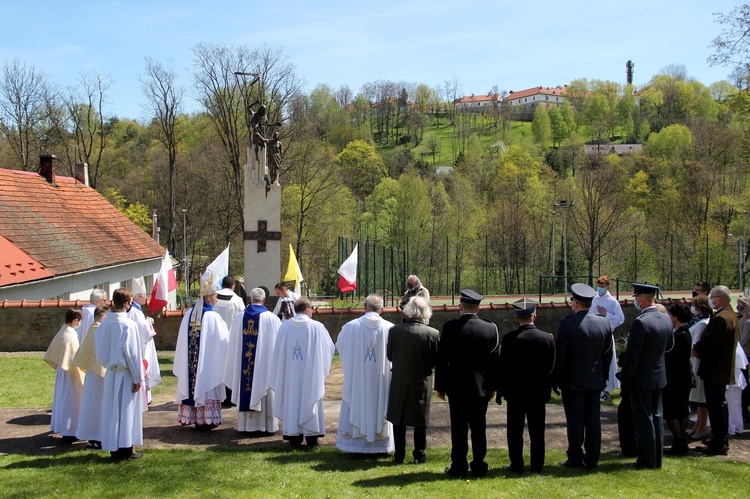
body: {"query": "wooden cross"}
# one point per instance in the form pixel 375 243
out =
pixel 262 235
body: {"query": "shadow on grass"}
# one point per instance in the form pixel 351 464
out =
pixel 57 460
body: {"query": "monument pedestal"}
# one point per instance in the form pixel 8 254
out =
pixel 262 236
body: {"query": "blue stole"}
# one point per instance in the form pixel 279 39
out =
pixel 194 346
pixel 250 322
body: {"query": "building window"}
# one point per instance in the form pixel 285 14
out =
pixel 546 97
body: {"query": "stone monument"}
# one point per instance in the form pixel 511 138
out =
pixel 262 231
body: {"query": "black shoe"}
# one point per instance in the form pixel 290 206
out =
pixel 398 460
pixel 69 439
pixel 419 457
pixel 454 473
pixel 571 464
pixel 513 470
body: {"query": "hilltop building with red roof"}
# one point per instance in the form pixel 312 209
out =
pixel 60 239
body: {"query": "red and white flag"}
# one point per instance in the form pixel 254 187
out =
pixel 348 273
pixel 164 284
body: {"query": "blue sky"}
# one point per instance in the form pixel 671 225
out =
pixel 514 45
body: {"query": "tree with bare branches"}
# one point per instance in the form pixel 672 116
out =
pixel 26 100
pixel 165 101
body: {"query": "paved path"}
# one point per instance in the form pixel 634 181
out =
pixel 26 431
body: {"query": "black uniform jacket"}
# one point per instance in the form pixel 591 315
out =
pixel 650 336
pixel 527 364
pixel 467 357
pixel 584 351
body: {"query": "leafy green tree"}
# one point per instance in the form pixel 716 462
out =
pixel 541 126
pixel 361 168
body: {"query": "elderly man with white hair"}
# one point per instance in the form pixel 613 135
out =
pixel 199 359
pixel 252 338
pixel 414 288
pixel 98 298
pixel 146 333
pixel 363 427
pixel 412 349
pixel 716 350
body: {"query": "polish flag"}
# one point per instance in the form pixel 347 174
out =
pixel 164 284
pixel 348 273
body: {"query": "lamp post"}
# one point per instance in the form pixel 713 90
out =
pixel 564 205
pixel 554 212
pixel 184 252
pixel 739 260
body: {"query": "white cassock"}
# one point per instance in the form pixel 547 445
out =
pixel 118 350
pixel 367 379
pixel 146 332
pixel 616 318
pixel 90 419
pixel 66 400
pixel 734 393
pixel 228 304
pixel 260 416
pixel 208 367
pixel 87 321
pixel 303 354
pixel 697 394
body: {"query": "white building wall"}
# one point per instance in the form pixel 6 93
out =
pixel 79 286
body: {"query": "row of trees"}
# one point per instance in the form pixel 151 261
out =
pixel 360 170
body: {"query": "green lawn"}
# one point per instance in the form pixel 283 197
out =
pixel 326 472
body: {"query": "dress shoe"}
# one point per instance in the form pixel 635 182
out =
pixel 623 455
pixel 420 460
pixel 677 451
pixel 713 451
pixel 454 473
pixel 513 470
pixel 571 464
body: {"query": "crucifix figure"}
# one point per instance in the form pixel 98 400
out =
pixel 262 235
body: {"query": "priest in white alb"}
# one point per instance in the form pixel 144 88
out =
pixel 90 418
pixel 362 342
pixel 118 350
pixel 147 334
pixel 199 359
pixel 303 354
pixel 606 305
pixel 249 366
pixel 66 399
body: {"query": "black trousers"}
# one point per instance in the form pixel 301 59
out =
pixel 716 404
pixel 648 421
pixel 535 413
pixel 582 413
pixel 625 430
pixel 468 413
pixel 399 440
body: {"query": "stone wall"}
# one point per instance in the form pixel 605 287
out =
pixel 32 327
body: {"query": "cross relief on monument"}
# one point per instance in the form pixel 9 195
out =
pixel 262 235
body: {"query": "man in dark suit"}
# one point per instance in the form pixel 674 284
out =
pixel 644 374
pixel 527 363
pixel 716 350
pixel 467 365
pixel 584 352
pixel 413 350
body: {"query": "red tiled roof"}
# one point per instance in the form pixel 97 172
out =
pixel 536 91
pixel 16 266
pixel 478 98
pixel 69 227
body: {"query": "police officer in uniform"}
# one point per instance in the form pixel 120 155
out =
pixel 527 363
pixel 466 371
pixel 584 352
pixel 644 374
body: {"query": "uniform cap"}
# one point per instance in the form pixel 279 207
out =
pixel 582 291
pixel 524 306
pixel 471 297
pixel 644 289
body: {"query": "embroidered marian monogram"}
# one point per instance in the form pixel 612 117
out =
pixel 297 353
pixel 370 354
